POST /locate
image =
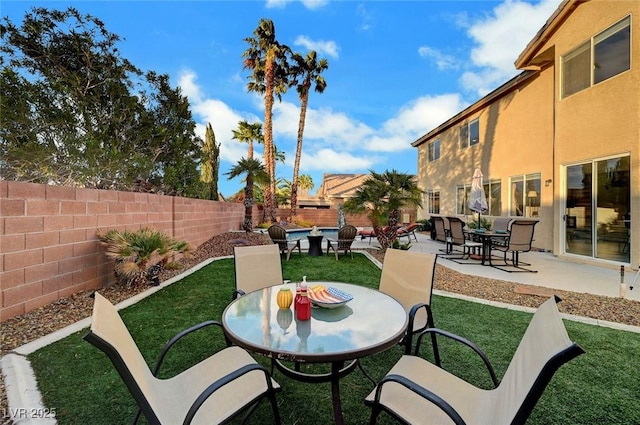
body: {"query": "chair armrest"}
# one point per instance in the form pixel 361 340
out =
pixel 172 342
pixel 237 293
pixel 222 382
pixel 424 393
pixel 412 315
pixel 179 336
pixel 464 341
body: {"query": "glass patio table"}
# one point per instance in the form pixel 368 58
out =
pixel 486 238
pixel 368 324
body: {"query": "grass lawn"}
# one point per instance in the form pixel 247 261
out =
pixel 75 378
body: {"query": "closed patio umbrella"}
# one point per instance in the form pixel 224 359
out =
pixel 477 198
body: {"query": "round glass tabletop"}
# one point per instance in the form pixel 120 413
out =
pixel 371 322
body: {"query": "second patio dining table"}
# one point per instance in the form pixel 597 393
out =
pixel 368 324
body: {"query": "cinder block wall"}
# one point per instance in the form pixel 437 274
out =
pixel 48 244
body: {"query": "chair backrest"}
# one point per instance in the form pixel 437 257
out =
pixel 346 235
pixel 501 223
pixel 544 347
pixel 438 224
pixel 109 334
pixel 408 277
pixel 521 235
pixel 278 235
pixel 257 266
pixel 456 230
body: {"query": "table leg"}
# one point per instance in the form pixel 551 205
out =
pixel 335 392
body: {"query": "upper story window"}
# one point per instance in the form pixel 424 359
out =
pixel 604 56
pixel 433 150
pixel 470 134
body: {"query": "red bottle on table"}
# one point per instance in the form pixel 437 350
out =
pixel 303 305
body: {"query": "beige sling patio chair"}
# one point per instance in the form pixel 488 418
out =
pixel 500 225
pixel 416 391
pixel 278 235
pixel 256 267
pixel 520 240
pixel 440 228
pixel 224 386
pixel 346 235
pixel 457 237
pixel 408 277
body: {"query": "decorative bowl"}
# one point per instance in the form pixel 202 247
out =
pixel 481 230
pixel 328 297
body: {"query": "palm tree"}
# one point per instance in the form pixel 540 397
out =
pixel 248 133
pixel 382 196
pixel 304 72
pixel 266 59
pixel 255 172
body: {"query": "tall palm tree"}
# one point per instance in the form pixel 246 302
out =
pixel 382 196
pixel 248 133
pixel 266 59
pixel 255 172
pixel 304 72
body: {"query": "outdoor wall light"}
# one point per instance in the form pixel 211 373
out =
pixel 547 182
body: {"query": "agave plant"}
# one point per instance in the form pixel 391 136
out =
pixel 134 252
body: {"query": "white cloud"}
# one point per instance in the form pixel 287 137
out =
pixel 327 47
pixel 329 160
pixel 414 120
pixel 223 119
pixel 309 4
pixel 443 62
pixel 187 82
pixel 500 37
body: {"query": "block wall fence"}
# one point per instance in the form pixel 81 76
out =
pixel 48 244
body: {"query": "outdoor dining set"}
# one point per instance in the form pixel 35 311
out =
pixel 345 326
pixel 508 236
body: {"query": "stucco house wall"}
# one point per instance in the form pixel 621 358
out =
pixel 527 127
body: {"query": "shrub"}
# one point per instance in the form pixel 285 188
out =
pixel 134 252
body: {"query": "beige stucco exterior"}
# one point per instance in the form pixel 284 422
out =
pixel 526 127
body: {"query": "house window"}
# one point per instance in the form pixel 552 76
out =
pixel 470 134
pixel 433 201
pixel 604 56
pixel 525 196
pixel 433 150
pixel 492 191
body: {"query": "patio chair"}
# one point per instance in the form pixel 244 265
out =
pixel 501 225
pixel 440 228
pixel 457 237
pixel 256 267
pixel 408 277
pixel 217 389
pixel 416 391
pixel 346 235
pixel 519 240
pixel 278 235
pixel 408 231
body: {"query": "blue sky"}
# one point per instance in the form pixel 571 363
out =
pixel 397 69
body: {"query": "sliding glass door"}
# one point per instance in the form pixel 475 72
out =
pixel 597 215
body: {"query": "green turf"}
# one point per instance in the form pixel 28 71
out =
pixel 599 387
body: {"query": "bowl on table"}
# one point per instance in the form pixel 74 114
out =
pixel 330 297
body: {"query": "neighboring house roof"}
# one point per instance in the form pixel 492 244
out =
pixel 530 60
pixel 340 185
